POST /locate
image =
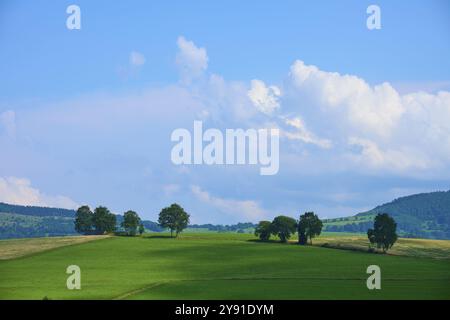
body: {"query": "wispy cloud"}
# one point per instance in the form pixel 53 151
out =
pixel 242 209
pixel 304 134
pixel 137 59
pixel 8 123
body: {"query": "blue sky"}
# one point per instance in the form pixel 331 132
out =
pixel 81 121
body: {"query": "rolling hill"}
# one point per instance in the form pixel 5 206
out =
pixel 29 222
pixel 214 266
pixel 424 215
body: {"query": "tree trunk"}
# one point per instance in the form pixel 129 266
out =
pixel 171 233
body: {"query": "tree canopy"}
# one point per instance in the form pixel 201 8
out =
pixel 283 227
pixel 263 230
pixel 83 220
pixel 98 222
pixel 103 220
pixel 384 232
pixel 131 222
pixel 174 218
pixel 309 226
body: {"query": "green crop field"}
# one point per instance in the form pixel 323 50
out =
pixel 216 266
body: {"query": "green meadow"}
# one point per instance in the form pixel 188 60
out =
pixel 217 266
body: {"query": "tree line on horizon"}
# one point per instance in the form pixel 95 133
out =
pixel 383 235
pixel 101 221
pixel 308 226
pixel 176 219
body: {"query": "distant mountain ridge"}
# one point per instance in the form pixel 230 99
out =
pixel 423 215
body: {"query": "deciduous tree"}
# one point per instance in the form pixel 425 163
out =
pixel 131 222
pixel 384 232
pixel 263 230
pixel 103 220
pixel 174 218
pixel 284 227
pixel 309 226
pixel 83 220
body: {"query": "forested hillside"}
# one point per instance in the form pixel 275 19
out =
pixel 424 215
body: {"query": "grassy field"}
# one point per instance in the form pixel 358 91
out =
pixel 218 266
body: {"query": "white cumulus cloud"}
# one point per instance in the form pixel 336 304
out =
pixel 376 109
pixel 191 60
pixel 264 98
pixel 386 130
pixel 19 191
